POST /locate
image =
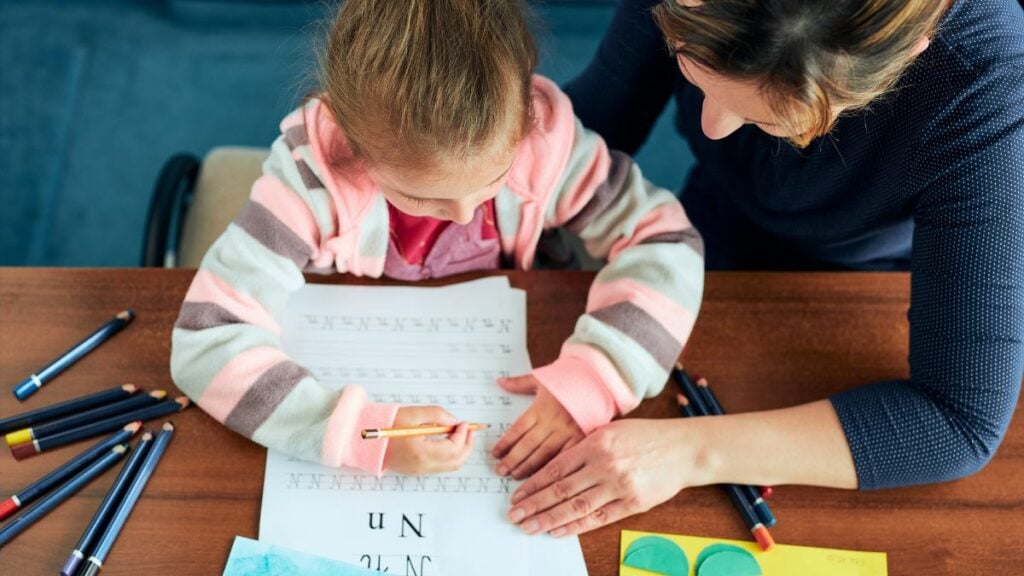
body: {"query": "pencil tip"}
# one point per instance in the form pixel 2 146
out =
pixel 183 400
pixel 134 426
pixel 682 400
pixel 120 449
pixel 130 388
pixel 168 425
pixel 679 366
pixel 148 435
pixel 158 394
pixel 126 314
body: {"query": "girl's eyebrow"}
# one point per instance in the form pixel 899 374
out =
pixel 500 176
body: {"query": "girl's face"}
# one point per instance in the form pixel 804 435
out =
pixel 450 193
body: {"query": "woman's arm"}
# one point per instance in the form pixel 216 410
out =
pixel 625 87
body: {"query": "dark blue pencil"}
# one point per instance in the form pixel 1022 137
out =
pixel 54 411
pixel 764 512
pixel 106 542
pixel 29 385
pixel 68 489
pixel 107 507
pixel 704 404
pixel 165 408
pixel 87 417
pixel 65 471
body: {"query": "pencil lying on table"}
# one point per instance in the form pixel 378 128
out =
pixel 54 499
pixel 73 406
pixel 165 408
pixel 429 430
pixel 124 508
pixel 34 382
pixel 71 422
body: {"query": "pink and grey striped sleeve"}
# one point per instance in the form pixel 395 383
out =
pixel 226 350
pixel 643 303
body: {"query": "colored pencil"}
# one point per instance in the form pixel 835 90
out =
pixel 34 382
pixel 68 489
pixel 87 417
pixel 764 512
pixel 428 430
pixel 739 499
pixel 45 443
pixel 73 406
pixel 117 521
pixel 66 470
pixel 107 507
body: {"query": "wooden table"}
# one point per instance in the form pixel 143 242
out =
pixel 766 340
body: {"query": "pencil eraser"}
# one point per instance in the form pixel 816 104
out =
pixel 764 538
pixel 22 451
pixel 8 507
pixel 18 437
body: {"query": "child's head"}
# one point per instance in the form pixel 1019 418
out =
pixel 432 95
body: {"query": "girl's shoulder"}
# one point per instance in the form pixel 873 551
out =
pixel 315 142
pixel 543 154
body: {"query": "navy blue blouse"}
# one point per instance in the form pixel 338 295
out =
pixel 931 178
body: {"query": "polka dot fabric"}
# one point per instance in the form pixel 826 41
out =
pixel 931 178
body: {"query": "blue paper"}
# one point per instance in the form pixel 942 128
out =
pixel 252 558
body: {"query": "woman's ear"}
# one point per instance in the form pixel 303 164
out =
pixel 921 46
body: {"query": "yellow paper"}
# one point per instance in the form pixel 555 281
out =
pixel 782 560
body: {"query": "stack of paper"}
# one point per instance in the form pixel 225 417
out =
pixel 443 346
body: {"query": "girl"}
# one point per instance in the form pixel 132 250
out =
pixel 432 150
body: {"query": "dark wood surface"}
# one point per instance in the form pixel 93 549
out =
pixel 765 340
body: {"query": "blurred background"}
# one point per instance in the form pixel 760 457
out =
pixel 96 95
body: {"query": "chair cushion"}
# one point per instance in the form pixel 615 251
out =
pixel 225 180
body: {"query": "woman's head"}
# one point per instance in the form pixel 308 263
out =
pixel 792 66
pixel 433 96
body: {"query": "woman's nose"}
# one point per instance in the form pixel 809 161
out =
pixel 718 122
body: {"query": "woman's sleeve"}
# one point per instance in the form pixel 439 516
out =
pixel 226 346
pixel 643 303
pixel 967 306
pixel 625 87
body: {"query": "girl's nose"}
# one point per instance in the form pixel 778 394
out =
pixel 718 122
pixel 462 212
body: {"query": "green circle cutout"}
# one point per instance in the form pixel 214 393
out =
pixel 713 549
pixel 737 562
pixel 658 555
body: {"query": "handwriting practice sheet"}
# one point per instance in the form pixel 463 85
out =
pixel 443 346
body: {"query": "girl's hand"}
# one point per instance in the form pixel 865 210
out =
pixel 621 469
pixel 427 454
pixel 538 435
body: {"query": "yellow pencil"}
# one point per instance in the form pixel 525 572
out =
pixel 425 430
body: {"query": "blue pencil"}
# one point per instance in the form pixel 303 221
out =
pixel 65 471
pixel 29 385
pixel 107 507
pixel 95 415
pixel 54 411
pixel 117 522
pixel 44 506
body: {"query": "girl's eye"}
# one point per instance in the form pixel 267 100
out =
pixel 414 201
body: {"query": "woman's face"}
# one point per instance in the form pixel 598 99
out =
pixel 729 104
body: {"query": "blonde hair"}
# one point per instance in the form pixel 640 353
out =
pixel 417 82
pixel 806 56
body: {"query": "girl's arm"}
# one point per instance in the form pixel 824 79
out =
pixel 226 349
pixel 642 304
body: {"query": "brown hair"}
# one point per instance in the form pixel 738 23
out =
pixel 420 81
pixel 807 56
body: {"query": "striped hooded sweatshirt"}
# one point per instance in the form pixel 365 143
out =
pixel 303 216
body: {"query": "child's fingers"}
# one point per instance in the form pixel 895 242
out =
pixel 522 450
pixel 525 384
pixel 547 450
pixel 521 426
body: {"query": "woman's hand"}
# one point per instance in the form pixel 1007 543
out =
pixel 425 454
pixel 624 468
pixel 540 433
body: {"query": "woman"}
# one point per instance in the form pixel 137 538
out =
pixel 852 134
